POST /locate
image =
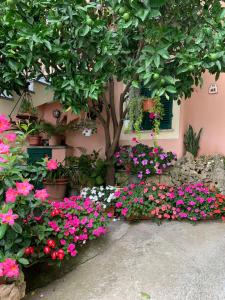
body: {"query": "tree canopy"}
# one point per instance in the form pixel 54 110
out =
pixel 79 45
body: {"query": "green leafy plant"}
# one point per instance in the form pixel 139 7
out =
pixel 135 114
pixel 191 140
pixel 54 129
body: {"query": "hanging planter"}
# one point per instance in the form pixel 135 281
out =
pixel 148 104
pixel 26 111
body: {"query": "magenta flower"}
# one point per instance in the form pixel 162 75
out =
pixel 10 268
pixel 4 149
pixel 147 171
pixel 41 194
pixel 119 204
pixel 124 211
pixel 24 188
pixel 11 195
pixel 179 202
pixel 117 193
pixel 144 162
pixel 192 203
pixel 11 137
pixel 4 123
pixel 8 218
pixel 51 165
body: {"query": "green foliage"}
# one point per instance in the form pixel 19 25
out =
pixel 135 114
pixel 83 44
pixel 191 140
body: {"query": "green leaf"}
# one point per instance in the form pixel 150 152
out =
pixel 17 228
pixel 145 295
pixel 171 89
pixel 3 228
pixel 20 253
pixel 84 31
pixel 23 261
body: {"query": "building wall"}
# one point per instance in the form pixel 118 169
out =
pixel 207 111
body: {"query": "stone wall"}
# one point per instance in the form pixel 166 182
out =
pixel 207 169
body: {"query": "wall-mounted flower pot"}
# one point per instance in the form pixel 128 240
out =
pixel 55 140
pixel 56 189
pixel 34 140
pixel 148 104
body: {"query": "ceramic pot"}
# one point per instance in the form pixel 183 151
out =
pixel 148 104
pixel 56 189
pixel 34 140
pixel 55 140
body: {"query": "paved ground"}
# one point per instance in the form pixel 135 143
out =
pixel 174 261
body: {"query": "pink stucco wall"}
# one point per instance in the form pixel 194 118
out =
pixel 201 111
pixel 207 111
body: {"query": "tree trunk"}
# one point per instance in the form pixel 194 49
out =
pixel 110 172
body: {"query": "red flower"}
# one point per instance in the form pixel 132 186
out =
pixel 47 250
pixel 51 243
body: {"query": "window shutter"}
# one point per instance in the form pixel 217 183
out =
pixel 166 122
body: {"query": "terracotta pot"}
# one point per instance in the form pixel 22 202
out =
pixel 34 140
pixel 110 209
pixel 56 189
pixel 148 104
pixel 55 140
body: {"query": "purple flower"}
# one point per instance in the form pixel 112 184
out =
pixel 183 215
pixel 147 171
pixel 144 162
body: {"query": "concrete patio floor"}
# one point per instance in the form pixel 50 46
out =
pixel 173 261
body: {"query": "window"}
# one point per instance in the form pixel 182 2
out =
pixel 166 122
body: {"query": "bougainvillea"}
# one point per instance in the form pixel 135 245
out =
pixel 144 161
pixel 190 201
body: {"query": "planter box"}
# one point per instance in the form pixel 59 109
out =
pixel 138 218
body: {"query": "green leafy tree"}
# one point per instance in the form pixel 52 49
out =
pixel 81 47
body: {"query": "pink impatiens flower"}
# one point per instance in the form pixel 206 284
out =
pixel 9 217
pixel 4 123
pixel 119 204
pixel 124 211
pixel 51 165
pixel 10 195
pixel 24 188
pixel 41 194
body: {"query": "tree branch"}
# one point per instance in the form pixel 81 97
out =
pixel 112 105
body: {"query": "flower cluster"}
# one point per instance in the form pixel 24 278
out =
pixel 9 269
pixel 103 195
pixel 71 223
pixel 145 161
pixel 190 201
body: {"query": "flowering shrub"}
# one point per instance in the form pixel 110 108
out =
pixel 192 202
pixel 144 160
pixel 68 224
pixel 32 228
pixel 103 195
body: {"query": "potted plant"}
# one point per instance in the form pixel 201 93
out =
pixel 34 137
pixel 55 132
pixel 148 104
pixel 55 179
pixel 26 110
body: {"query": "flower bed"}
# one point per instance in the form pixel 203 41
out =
pixel 103 195
pixel 144 161
pixel 188 202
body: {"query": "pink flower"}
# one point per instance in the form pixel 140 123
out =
pixel 117 193
pixel 124 211
pixel 99 231
pixel 4 149
pixel 10 268
pixel 119 204
pixel 54 226
pixel 179 202
pixel 24 188
pixel 41 194
pixel 9 217
pixel 152 115
pixel 63 242
pixel 134 140
pixel 11 137
pixel 73 253
pixel 4 123
pixel 51 165
pixel 71 248
pixel 155 150
pixel 11 195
